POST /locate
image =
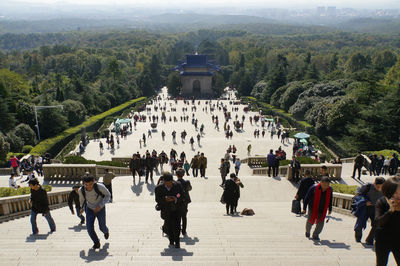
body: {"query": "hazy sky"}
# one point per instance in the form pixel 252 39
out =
pixel 230 3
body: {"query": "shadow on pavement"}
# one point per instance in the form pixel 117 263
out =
pixel 34 238
pixel 330 244
pixel 137 189
pixel 77 228
pixel 151 187
pixel 94 255
pixel 189 241
pixel 176 254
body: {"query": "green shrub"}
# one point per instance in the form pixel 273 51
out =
pixel 8 191
pixel 82 160
pixel 55 144
pixel 386 153
pixel 27 148
pixel 345 189
pixel 302 160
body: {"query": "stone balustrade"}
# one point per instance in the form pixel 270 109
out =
pixel 256 161
pixel 334 170
pixel 348 160
pixel 19 206
pixel 74 172
pixel 5 171
pixel 341 203
pixel 124 160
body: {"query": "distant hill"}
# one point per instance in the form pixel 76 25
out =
pixel 371 25
pixel 194 18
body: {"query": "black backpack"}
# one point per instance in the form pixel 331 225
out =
pixel 96 189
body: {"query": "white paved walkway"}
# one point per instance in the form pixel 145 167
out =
pixel 213 144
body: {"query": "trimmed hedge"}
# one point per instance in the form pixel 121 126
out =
pixel 345 189
pixel 82 160
pixel 8 191
pixel 55 144
pixel 386 153
pixel 269 109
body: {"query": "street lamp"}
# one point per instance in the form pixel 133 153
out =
pixel 40 108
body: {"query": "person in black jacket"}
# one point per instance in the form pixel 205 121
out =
pixel 40 204
pixel 295 165
pixel 387 220
pixel 319 201
pixel 74 198
pixel 169 198
pixel 231 194
pixel 305 184
pixel 186 186
pixel 358 164
pixel 149 167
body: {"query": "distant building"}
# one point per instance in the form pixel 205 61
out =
pixel 331 11
pixel 321 11
pixel 196 76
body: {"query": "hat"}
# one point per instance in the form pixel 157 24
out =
pixel 379 180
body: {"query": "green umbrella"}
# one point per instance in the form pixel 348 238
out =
pixel 301 135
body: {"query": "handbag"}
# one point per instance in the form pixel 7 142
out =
pixel 296 206
pixel 222 200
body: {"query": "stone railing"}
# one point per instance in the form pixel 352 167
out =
pixel 341 203
pixel 5 171
pixel 334 170
pixel 74 172
pixel 256 161
pixel 19 206
pixel 348 160
pixel 124 160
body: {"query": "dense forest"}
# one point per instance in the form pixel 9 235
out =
pixel 347 85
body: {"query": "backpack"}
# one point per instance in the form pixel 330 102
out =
pixel 354 200
pixel 96 189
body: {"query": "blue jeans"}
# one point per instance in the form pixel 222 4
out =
pixel 101 219
pixel 48 218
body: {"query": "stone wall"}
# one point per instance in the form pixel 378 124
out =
pixel 205 84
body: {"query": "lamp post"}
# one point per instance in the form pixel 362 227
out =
pixel 40 108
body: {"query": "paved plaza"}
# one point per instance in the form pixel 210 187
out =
pixel 273 236
pixel 213 143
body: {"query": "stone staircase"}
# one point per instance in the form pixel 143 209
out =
pixel 274 236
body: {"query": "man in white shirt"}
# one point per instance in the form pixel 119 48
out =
pixel 12 182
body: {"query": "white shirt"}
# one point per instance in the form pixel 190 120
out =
pixel 12 183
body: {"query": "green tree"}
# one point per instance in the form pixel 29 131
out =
pixel 113 68
pixel 16 143
pixel 4 148
pixel 155 70
pixel 333 63
pixel 356 62
pixel 174 84
pixel 7 119
pixel 218 84
pixel 75 112
pixel 51 121
pixel 246 85
pixel 26 133
pixel 25 113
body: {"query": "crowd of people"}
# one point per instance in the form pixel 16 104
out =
pixel 375 165
pixel 378 202
pixel 148 163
